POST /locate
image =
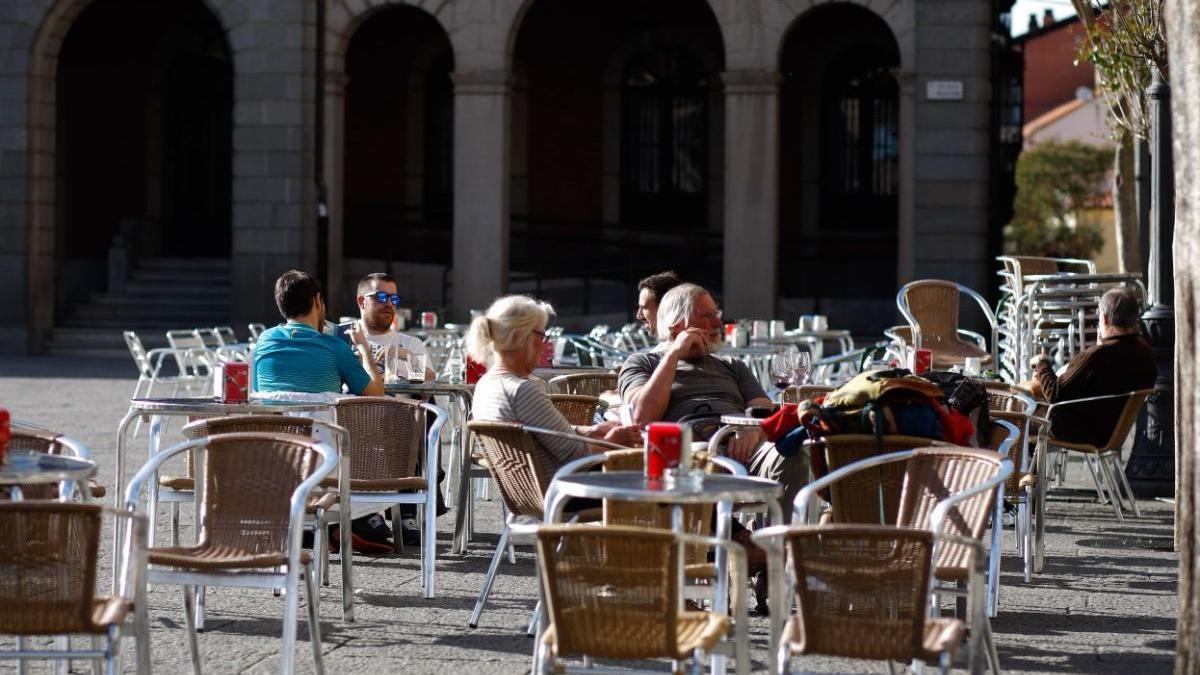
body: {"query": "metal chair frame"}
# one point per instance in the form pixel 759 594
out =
pixel 902 304
pixel 289 578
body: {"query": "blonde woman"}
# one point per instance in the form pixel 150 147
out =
pixel 509 339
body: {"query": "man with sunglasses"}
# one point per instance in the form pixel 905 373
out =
pixel 378 303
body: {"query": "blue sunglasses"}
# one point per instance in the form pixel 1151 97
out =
pixel 384 298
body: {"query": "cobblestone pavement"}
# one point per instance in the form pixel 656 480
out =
pixel 1106 604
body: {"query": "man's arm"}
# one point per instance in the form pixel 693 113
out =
pixel 374 384
pixel 650 400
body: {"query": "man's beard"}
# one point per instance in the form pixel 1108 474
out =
pixel 379 322
pixel 716 342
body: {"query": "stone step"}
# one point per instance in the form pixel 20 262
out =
pixel 214 264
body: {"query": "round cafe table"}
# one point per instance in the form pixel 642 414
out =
pixel 725 490
pixel 40 468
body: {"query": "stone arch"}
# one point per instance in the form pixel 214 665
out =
pixel 41 130
pixel 342 20
pixel 899 15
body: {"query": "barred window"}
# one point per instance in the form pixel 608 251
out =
pixel 665 125
pixel 863 118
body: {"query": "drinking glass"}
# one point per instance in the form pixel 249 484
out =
pixel 416 367
pixel 801 364
pixel 393 365
pixel 783 367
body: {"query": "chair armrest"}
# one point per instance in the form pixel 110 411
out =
pixel 800 504
pixel 576 437
pixel 1088 399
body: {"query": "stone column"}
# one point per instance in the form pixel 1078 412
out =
pixel 335 195
pixel 751 192
pixel 906 235
pixel 481 189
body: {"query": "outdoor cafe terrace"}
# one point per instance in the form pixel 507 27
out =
pixel 1082 577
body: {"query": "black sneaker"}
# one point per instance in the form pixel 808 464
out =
pixel 410 531
pixel 370 534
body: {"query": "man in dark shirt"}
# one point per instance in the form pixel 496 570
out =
pixel 685 377
pixel 1120 363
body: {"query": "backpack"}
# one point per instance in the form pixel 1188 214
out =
pixel 967 396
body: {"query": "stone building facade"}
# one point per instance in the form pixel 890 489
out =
pixel 798 155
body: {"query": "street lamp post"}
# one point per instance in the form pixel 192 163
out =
pixel 1151 467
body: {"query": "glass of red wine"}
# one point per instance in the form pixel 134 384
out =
pixel 783 369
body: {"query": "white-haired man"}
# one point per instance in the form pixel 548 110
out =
pixel 684 379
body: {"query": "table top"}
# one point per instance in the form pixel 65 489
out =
pixel 208 405
pixel 23 468
pixel 635 486
pixel 427 388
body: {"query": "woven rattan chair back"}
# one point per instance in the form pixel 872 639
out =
pixel 584 384
pixel 249 480
pixel 871 496
pixel 933 474
pixel 1003 398
pixel 577 408
pixel 1129 413
pixel 1012 486
pixel 934 304
pixel 1031 265
pixel 697 518
pixel 521 468
pixel 36 439
pixel 385 436
pixel 861 590
pixel 49 561
pixel 804 392
pixel 238 424
pixel 611 591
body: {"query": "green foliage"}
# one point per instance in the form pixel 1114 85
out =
pixel 1125 40
pixel 1056 183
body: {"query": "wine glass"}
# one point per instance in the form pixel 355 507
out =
pixel 801 364
pixel 783 367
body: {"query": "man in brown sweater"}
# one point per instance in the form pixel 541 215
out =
pixel 1120 363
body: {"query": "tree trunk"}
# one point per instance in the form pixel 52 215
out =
pixel 1183 39
pixel 1125 207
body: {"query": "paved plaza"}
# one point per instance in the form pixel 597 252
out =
pixel 1106 603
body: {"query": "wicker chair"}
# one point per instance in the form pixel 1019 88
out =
pixel 181 488
pixel 930 307
pixel 584 384
pixel 1104 462
pixel 256 489
pixel 25 436
pixel 1013 405
pixel 50 560
pixel 578 409
pixel 523 472
pixel 386 439
pixel 861 591
pixel 805 392
pixel 947 489
pixel 614 592
pixel 870 497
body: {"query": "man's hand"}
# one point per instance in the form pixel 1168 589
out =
pixel 358 338
pixel 629 436
pixel 743 444
pixel 690 343
pixel 1033 363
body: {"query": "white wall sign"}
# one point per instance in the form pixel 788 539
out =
pixel 944 90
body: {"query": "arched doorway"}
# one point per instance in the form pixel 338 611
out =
pixel 617 146
pixel 399 119
pixel 144 130
pixel 839 165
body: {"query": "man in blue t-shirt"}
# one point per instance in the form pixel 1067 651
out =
pixel 296 357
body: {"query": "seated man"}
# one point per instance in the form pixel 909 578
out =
pixel 297 358
pixel 650 291
pixel 1121 362
pixel 683 379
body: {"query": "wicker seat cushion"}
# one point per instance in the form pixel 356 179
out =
pixel 208 557
pixel 939 635
pixel 952 353
pixel 379 484
pixel 692 629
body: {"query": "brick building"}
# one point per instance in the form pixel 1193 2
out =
pixel 1052 76
pixel 796 155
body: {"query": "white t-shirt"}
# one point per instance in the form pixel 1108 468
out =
pixel 391 338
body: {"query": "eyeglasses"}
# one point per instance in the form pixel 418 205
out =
pixel 383 298
pixel 545 338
